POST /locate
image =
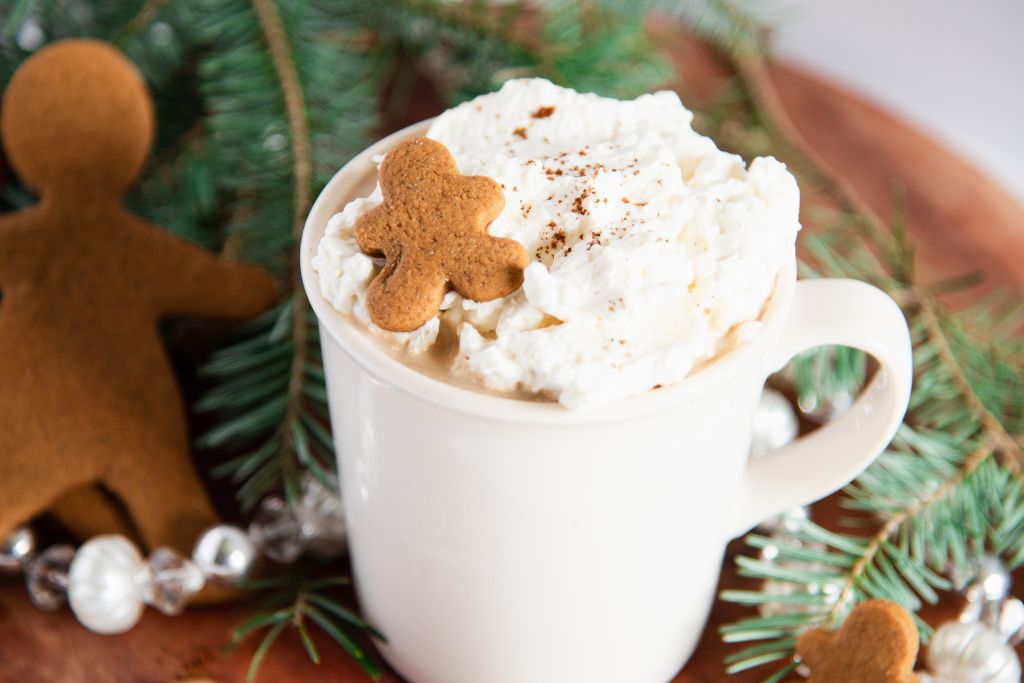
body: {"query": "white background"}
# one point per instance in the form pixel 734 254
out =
pixel 953 68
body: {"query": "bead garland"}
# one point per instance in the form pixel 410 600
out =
pixel 978 647
pixel 107 582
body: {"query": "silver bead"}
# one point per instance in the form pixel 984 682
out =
pixel 775 423
pixel 225 554
pixel 971 653
pixel 991 582
pixel 830 409
pixel 788 522
pixel 106 584
pixel 17 549
pixel 277 531
pixel 320 513
pixel 173 580
pixel 989 600
pixel 46 577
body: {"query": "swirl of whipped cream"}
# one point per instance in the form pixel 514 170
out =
pixel 652 251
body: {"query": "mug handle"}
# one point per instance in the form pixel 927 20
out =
pixel 824 313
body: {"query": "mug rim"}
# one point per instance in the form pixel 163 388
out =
pixel 372 357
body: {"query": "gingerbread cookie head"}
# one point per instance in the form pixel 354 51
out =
pixel 431 230
pixel 876 644
pixel 83 91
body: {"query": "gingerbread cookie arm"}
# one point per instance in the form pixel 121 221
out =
pixel 191 281
pixel 813 646
pixel 372 231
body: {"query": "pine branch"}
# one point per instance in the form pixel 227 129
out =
pixel 260 101
pixel 471 48
pixel 295 107
pixel 296 603
pixel 143 18
pixel 268 65
pixel 950 487
pixel 1007 448
pixel 733 25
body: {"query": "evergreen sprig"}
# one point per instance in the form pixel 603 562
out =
pixel 948 489
pixel 470 47
pixel 259 101
pixel 293 602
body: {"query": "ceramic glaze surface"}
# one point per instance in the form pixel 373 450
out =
pixel 502 541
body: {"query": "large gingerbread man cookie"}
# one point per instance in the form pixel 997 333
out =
pixel 431 230
pixel 89 401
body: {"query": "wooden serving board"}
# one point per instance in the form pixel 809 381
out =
pixel 962 221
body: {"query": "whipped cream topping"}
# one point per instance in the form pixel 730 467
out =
pixel 652 250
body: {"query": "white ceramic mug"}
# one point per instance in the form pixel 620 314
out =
pixel 504 541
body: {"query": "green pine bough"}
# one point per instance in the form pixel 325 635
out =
pixel 949 488
pixel 260 101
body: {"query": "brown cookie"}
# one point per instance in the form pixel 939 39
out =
pixel 89 401
pixel 431 230
pixel 876 644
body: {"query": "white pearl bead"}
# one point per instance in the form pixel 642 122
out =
pixel 105 584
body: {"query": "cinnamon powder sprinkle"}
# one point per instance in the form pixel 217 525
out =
pixel 542 113
pixel 577 204
pixel 520 132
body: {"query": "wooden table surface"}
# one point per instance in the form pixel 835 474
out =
pixel 962 221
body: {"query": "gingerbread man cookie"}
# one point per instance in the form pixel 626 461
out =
pixel 431 230
pixel 876 644
pixel 89 401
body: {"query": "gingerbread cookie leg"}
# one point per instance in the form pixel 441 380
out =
pixel 90 511
pixel 32 484
pixel 487 267
pixel 406 294
pixel 164 497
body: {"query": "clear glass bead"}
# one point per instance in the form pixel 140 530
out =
pixel 1011 621
pixel 277 531
pixel 320 512
pixel 971 653
pixel 47 577
pixel 17 549
pixel 173 580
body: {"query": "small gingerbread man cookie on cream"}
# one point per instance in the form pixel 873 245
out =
pixel 431 230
